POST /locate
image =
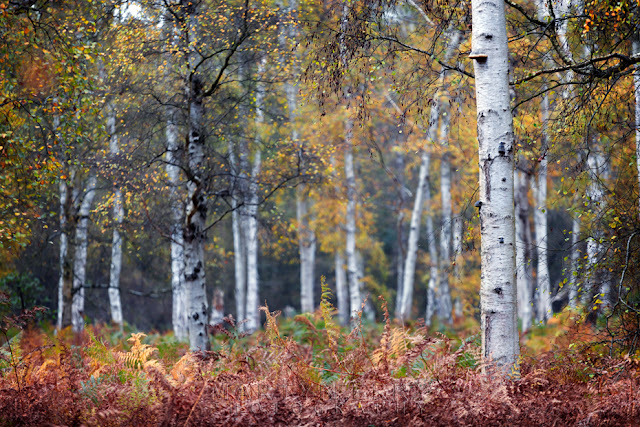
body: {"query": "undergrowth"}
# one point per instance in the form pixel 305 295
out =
pixel 309 370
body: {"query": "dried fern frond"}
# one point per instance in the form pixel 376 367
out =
pixel 185 369
pixel 139 355
pixel 271 328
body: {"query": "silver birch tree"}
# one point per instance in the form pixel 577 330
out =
pixel 342 292
pixel 523 248
pixel 63 250
pixel 355 297
pixel 252 244
pixel 434 293
pixel 500 344
pixel 80 254
pixel 194 228
pixel 118 216
pixel 304 204
pixel 179 315
pixel 540 216
pixel 178 290
pixel 239 253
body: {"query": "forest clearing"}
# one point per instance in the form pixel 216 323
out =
pixel 360 212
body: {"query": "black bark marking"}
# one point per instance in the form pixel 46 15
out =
pixel 498 290
pixel 486 169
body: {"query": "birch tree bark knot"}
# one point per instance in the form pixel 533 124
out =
pixel 478 56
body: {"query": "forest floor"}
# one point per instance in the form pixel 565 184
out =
pixel 308 371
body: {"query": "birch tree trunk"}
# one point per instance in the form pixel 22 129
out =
pixel 523 250
pixel 416 217
pixel 434 293
pixel 369 311
pixel 342 293
pixel 599 280
pixel 355 297
pixel 500 346
pixel 217 308
pixel 118 217
pixel 414 233
pixel 447 214
pixel 307 248
pixel 455 38
pixel 179 315
pixel 80 255
pixel 194 232
pixel 173 159
pixel 239 253
pixel 575 255
pixel 306 234
pixel 252 313
pixel 64 292
pixel 401 251
pixel 194 226
pixel 540 215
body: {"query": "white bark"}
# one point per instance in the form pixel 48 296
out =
pixel 355 297
pixel 500 346
pixel 414 234
pixel 455 38
pixel 179 315
pixel 369 311
pixel 416 217
pixel 217 308
pixel 457 243
pixel 573 278
pixel 118 217
pixel 252 313
pixel 599 280
pixel 342 293
pixel 306 234
pixel 457 260
pixel 80 255
pixel 307 248
pixel 434 292
pixel 63 250
pixel 543 290
pixel 239 253
pixel 523 248
pixel 194 229
pixel 540 216
pixel 400 255
pixel 447 213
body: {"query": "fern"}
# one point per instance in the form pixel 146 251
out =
pixel 139 355
pixel 327 310
pixel 271 328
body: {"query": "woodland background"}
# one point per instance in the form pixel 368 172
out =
pixel 71 68
pixel 304 140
